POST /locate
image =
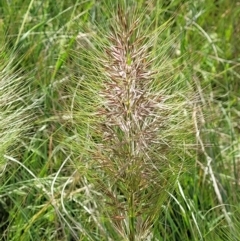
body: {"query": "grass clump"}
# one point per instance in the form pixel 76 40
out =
pixel 119 121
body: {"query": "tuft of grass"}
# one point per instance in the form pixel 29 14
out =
pixel 74 168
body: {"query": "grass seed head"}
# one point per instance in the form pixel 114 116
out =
pixel 141 122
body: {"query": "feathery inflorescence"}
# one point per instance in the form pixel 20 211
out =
pixel 15 106
pixel 138 128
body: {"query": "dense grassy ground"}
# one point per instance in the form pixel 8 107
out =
pixel 64 169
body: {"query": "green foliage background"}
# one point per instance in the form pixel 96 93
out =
pixel 43 195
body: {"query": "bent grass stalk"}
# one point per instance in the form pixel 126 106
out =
pixel 140 126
